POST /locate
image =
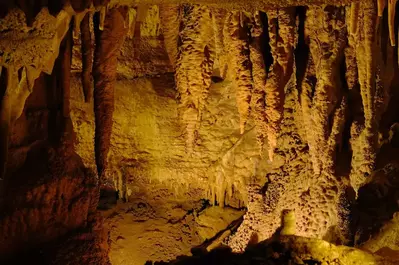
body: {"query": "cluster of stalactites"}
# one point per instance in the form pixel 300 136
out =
pixel 283 39
pixel 256 91
pixel 322 102
pixel 194 66
pixel 374 75
pixel 193 41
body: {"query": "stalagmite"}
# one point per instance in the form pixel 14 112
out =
pixel 108 44
pixel 87 58
pixel 282 32
pixel 259 80
pixel 170 18
pixel 194 67
pixel 391 20
pixel 236 34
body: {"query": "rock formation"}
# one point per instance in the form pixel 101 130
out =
pixel 172 118
pixel 110 32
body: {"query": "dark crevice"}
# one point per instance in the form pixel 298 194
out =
pixel 265 42
pixel 302 50
pixel 3 82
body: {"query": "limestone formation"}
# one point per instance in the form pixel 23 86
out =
pixel 109 39
pixel 173 118
pixel 87 57
pixel 194 67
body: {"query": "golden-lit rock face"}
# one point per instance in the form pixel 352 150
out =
pixel 189 113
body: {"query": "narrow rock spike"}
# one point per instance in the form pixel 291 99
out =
pixel 194 67
pixel 238 52
pixel 354 16
pixel 87 58
pixel 259 80
pixel 108 44
pixel 170 18
pixel 103 13
pixel 381 6
pixel 391 20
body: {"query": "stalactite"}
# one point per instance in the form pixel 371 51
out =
pixel 384 75
pixel 218 18
pixel 308 88
pixel 77 21
pixel 391 20
pixel 259 74
pixel 87 58
pixel 335 137
pixel 350 52
pixel 353 18
pixel 362 139
pixel 194 67
pixel 282 32
pixel 236 34
pixel 132 15
pixel 170 21
pixel 66 61
pixel 108 44
pixel 381 6
pixel 327 39
pixel 22 64
pixel 103 14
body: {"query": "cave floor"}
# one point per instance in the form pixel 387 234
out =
pixel 156 229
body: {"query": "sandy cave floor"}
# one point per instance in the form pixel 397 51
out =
pixel 160 230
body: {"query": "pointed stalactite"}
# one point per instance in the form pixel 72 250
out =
pixel 194 67
pixel 65 75
pixel 353 18
pixel 87 58
pixel 170 21
pixel 381 6
pixel 327 39
pixel 282 33
pixel 108 44
pixel 307 97
pixel 259 75
pixel 335 137
pixel 66 131
pixel 237 40
pixel 391 20
pixel 363 142
pixel 132 17
pixel 384 73
pixel 218 18
pixel 350 49
pixel 103 13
